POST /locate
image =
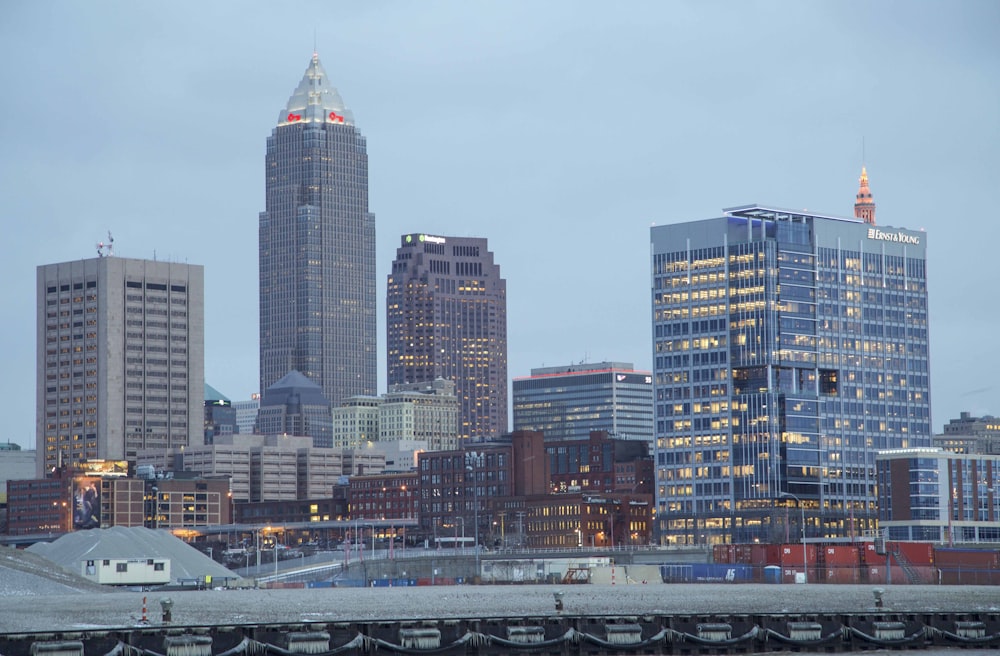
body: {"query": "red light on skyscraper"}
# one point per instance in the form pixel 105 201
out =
pixel 337 118
pixel 294 117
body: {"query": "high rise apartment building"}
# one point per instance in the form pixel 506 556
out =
pixel 789 348
pixel 317 246
pixel 120 359
pixel 446 317
pixel 571 401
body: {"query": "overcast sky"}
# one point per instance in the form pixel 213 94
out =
pixel 558 130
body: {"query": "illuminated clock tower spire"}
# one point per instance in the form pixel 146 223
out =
pixel 864 207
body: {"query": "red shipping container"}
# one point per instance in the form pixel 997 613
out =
pixel 874 574
pixel 788 574
pixel 967 559
pixel 743 554
pixel 869 555
pixel 843 575
pixel 840 556
pixel 722 553
pixel 766 554
pixel 918 554
pixel 791 555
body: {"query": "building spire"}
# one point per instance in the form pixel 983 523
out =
pixel 315 100
pixel 864 206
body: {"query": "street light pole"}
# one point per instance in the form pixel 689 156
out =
pixel 805 565
pixel 472 462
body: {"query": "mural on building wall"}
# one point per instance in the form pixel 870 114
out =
pixel 86 502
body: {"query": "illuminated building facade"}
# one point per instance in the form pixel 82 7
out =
pixel 569 402
pixel 789 348
pixel 120 359
pixel 317 246
pixel 446 317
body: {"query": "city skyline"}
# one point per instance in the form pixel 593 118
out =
pixel 560 133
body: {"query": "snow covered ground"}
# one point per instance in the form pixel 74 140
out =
pixel 124 609
pixel 37 595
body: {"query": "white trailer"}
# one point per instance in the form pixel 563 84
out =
pixel 127 571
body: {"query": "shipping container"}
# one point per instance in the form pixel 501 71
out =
pixel 840 556
pixel 967 566
pixel 707 573
pixel 723 553
pixel 897 575
pixel 791 555
pixel 744 554
pixel 390 583
pixel 967 559
pixel 871 557
pixel 967 576
pixel 792 574
pixel 918 554
pixel 843 574
pixel 437 580
pixel 762 555
pixel 873 574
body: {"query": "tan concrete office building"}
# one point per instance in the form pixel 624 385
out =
pixel 120 359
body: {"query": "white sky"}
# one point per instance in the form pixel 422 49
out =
pixel 559 130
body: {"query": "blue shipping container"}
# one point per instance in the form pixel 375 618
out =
pixel 706 573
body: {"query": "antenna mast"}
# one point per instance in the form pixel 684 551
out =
pixel 106 249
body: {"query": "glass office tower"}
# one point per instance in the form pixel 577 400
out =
pixel 317 246
pixel 789 348
pixel 568 402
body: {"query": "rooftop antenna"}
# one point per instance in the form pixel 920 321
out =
pixel 106 249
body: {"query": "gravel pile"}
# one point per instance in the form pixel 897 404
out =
pixel 186 562
pixel 24 574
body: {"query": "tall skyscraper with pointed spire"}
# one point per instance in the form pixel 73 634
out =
pixel 864 206
pixel 317 246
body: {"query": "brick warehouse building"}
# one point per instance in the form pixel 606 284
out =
pixel 503 493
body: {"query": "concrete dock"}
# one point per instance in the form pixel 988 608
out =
pixel 227 607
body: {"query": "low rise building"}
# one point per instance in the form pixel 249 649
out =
pixel 268 467
pixel 425 413
pixel 940 496
pixel 385 496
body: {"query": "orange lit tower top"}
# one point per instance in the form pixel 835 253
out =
pixel 864 207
